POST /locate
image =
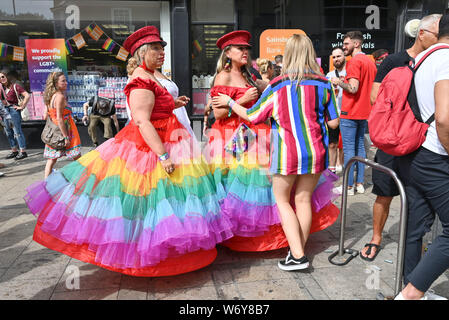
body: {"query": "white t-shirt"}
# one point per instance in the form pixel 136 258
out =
pixel 332 74
pixel 433 69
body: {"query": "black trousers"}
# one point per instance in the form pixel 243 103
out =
pixel 425 175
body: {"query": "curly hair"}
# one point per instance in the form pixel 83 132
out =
pixel 264 65
pixel 50 86
pixel 136 60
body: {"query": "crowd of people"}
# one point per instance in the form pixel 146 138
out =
pixel 152 201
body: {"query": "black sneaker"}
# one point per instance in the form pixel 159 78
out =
pixel 291 264
pixel 12 154
pixel 21 155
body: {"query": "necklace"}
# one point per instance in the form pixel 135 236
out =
pixel 144 67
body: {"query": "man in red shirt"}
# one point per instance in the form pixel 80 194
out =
pixel 356 105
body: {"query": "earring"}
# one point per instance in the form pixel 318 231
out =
pixel 228 64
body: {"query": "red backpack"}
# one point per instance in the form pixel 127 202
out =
pixel 395 126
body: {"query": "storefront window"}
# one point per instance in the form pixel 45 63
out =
pixel 210 21
pixel 90 52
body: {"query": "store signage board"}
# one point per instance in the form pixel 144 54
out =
pixel 43 57
pixel 272 42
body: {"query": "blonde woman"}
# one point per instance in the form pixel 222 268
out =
pixel 56 102
pixel 141 203
pixel 266 69
pixel 248 198
pixel 297 103
pixel 180 101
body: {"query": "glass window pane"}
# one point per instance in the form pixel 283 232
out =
pixel 205 54
pixel 93 68
pixel 212 11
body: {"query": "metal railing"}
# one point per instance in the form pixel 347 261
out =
pixel 402 220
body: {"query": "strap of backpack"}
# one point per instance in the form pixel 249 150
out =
pixel 428 54
pixel 412 99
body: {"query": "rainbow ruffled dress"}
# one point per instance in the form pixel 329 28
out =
pixel 116 207
pixel 249 200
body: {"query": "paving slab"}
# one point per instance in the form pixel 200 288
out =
pixel 29 271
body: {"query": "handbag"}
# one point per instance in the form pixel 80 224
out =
pixel 240 141
pixel 25 113
pixel 19 98
pixel 52 135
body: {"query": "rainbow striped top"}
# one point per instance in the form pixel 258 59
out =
pixel 299 136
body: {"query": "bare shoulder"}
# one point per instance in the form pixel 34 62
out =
pixel 222 79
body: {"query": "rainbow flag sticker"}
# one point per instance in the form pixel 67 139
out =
pixel 3 49
pixel 197 45
pixel 68 47
pixel 109 45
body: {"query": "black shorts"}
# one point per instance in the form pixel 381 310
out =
pixel 384 185
pixel 334 135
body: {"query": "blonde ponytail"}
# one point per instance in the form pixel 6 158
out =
pixel 135 61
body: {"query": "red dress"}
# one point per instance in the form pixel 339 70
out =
pixel 116 207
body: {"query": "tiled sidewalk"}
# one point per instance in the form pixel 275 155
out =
pixel 30 271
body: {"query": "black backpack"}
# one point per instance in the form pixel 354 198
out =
pixel 103 106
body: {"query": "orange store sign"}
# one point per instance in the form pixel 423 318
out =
pixel 272 42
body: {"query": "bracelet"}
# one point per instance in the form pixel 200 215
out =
pixel 164 157
pixel 66 138
pixel 230 104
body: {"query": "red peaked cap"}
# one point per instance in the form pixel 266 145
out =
pixel 236 38
pixel 148 34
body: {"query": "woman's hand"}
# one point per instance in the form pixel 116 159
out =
pixel 67 141
pixel 168 166
pixel 181 101
pixel 18 108
pixel 249 95
pixel 220 101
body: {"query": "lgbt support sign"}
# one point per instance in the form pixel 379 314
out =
pixel 44 56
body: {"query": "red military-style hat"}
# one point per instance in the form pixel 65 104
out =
pixel 236 38
pixel 148 34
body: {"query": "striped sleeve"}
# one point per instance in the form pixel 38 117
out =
pixel 330 103
pixel 263 108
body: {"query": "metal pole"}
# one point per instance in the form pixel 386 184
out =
pixel 402 218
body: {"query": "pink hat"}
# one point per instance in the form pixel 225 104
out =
pixel 148 34
pixel 236 38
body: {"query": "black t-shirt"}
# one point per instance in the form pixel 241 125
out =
pixel 95 111
pixel 392 61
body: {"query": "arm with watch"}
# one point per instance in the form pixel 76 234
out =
pixel 142 101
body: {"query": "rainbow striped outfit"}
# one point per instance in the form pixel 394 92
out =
pixel 298 113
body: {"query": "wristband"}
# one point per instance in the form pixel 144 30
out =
pixel 230 105
pixel 66 138
pixel 164 157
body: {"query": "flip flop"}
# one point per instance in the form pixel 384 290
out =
pixel 368 252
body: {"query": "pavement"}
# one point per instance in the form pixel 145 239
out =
pixel 29 271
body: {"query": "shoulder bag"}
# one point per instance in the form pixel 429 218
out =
pixel 52 135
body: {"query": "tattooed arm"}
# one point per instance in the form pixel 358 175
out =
pixel 352 86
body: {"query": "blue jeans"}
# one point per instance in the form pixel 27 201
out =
pixel 352 135
pixel 13 129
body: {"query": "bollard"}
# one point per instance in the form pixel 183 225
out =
pixel 402 220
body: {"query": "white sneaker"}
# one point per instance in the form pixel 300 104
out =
pixel 359 188
pixel 338 169
pixel 430 295
pixel 2 174
pixel 399 297
pixel 339 190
